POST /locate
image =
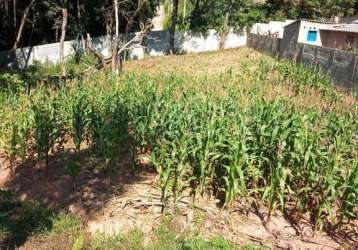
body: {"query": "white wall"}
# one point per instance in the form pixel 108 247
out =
pixel 193 42
pixel 156 45
pixel 275 28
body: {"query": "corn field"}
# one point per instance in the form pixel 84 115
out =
pixel 233 135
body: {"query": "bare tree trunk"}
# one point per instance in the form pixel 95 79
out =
pixel 109 37
pixel 225 32
pixel 80 25
pixel 115 43
pixel 22 24
pixel 126 35
pixel 172 29
pixel 96 53
pixel 14 3
pixel 116 13
pixel 6 6
pixel 223 38
pixel 184 12
pixel 62 39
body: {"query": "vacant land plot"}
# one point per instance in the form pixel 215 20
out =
pixel 232 130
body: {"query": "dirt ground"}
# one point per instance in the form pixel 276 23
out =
pixel 126 201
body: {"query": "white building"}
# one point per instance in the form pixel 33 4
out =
pixel 322 34
pixel 309 31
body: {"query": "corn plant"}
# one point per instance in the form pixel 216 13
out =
pixel 79 119
pixel 221 135
pixel 47 126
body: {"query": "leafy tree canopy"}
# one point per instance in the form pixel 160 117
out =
pixel 44 20
pixel 219 15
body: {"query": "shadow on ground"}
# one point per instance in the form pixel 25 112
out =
pixel 35 193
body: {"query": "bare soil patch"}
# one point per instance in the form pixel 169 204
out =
pixel 140 207
pixel 120 201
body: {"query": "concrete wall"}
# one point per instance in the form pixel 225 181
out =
pixel 341 66
pixel 157 44
pixel 289 41
pixel 264 44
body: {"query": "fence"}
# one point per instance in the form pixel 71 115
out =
pixel 156 45
pixel 341 66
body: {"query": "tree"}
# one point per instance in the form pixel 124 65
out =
pixel 80 26
pixel 14 13
pixel 22 24
pixel 173 26
pixel 116 39
pixel 63 35
pixel 332 8
pixel 223 16
pixel 310 9
pixel 184 10
pixel 280 9
pixel 124 15
pixel 56 7
pixel 82 17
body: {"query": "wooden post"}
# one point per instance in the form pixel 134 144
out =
pixel 303 52
pixel 354 70
pixel 332 63
pixel 315 61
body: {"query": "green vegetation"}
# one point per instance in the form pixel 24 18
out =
pixel 311 9
pixel 14 81
pixel 208 140
pixel 44 19
pixel 205 14
pixel 246 133
pixel 41 21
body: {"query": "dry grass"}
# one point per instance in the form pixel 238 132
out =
pixel 208 63
pixel 211 68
